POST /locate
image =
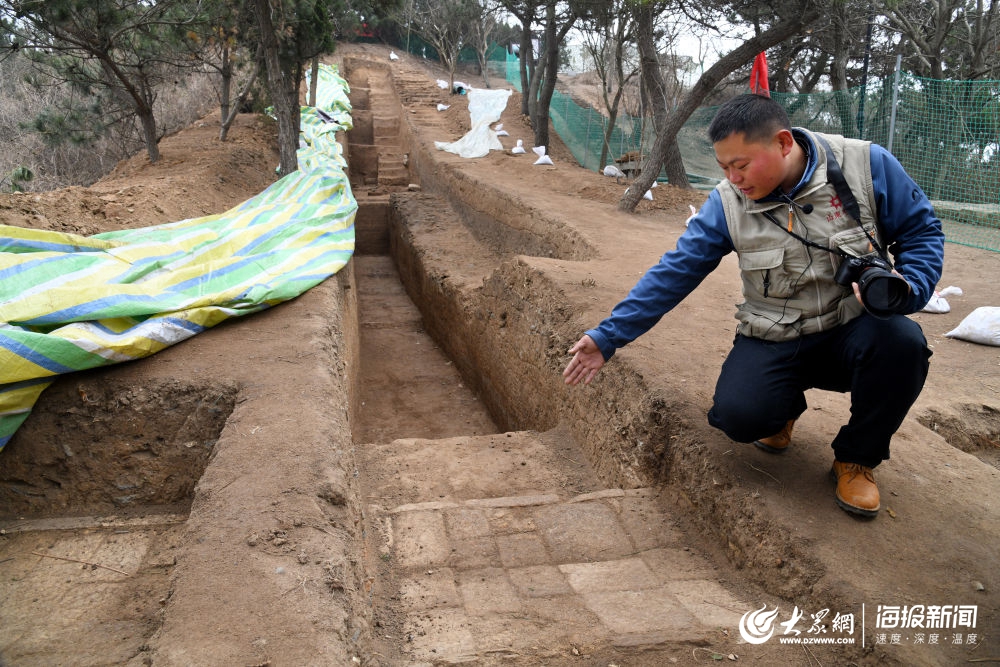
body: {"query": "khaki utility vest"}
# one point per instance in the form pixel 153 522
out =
pixel 788 287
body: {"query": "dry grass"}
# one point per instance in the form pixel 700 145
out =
pixel 178 104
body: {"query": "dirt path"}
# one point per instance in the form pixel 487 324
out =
pixel 389 470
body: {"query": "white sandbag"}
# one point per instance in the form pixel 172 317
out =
pixel 443 107
pixel 519 148
pixel 694 212
pixel 938 303
pixel 442 84
pixel 542 157
pixel 393 56
pixel 980 326
pixel 648 195
pixel 613 171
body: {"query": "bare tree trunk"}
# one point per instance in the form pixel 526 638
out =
pixel 484 68
pixel 226 70
pixel 313 81
pixel 227 120
pixel 666 141
pixel 286 107
pixel 838 79
pixel 655 90
pixel 141 99
pixel 609 130
pixel 148 123
pixel 619 74
pixel 545 73
pixel 553 38
pixel 653 86
pixel 536 80
pixel 526 54
pixel 541 126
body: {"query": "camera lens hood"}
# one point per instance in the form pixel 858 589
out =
pixel 883 293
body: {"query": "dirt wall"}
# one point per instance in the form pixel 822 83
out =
pixel 508 326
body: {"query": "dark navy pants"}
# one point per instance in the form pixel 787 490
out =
pixel 882 363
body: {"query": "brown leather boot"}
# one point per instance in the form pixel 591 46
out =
pixel 856 488
pixel 778 442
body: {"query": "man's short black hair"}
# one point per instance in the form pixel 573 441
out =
pixel 756 116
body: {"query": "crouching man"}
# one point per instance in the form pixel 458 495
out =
pixel 814 219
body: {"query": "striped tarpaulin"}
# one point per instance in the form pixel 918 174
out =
pixel 70 303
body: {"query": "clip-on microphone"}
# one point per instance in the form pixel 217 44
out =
pixel 805 208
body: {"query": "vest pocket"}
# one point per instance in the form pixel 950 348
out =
pixel 765 273
pixel 759 321
pixel 854 242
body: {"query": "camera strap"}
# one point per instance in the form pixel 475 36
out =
pixel 836 177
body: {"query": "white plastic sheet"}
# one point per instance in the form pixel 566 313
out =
pixel 485 108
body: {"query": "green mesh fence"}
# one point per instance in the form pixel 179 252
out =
pixel 582 129
pixel 945 133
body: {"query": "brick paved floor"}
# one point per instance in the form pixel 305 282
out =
pixel 487 564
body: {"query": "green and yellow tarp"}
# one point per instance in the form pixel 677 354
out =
pixel 70 303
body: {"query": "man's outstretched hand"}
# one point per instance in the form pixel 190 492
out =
pixel 587 360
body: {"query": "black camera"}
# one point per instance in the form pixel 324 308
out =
pixel 882 292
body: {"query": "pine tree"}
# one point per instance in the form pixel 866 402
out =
pixel 115 53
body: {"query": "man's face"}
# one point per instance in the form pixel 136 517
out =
pixel 755 167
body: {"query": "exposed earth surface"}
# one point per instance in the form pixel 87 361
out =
pixel 389 469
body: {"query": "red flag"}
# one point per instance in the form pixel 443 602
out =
pixel 758 76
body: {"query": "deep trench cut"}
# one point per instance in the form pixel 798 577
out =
pixel 96 446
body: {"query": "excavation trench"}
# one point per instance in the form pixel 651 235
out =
pixel 490 531
pixel 98 484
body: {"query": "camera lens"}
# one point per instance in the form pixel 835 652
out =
pixel 883 292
